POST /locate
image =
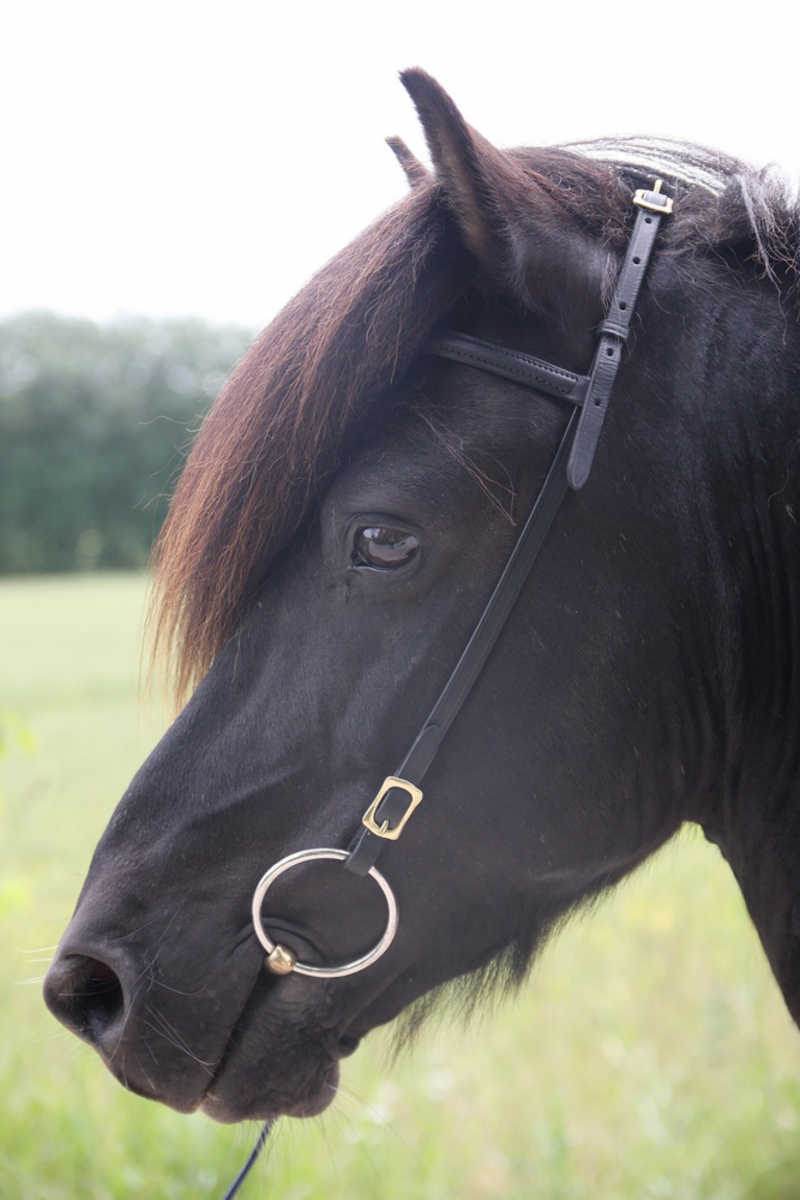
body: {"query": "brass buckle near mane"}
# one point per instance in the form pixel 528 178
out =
pixel 653 200
pixel 385 830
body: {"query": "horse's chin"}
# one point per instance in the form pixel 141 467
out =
pixel 235 1096
pixel 280 1059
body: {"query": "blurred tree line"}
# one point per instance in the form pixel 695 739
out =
pixel 94 425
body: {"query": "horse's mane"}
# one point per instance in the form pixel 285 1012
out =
pixel 725 205
pixel 302 394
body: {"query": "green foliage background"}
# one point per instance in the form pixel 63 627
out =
pixel 93 424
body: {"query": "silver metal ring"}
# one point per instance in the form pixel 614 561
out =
pixel 358 964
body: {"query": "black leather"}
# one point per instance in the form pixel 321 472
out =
pixel 570 469
pixel 613 332
pixel 509 364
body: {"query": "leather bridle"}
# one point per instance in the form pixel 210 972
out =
pixel 400 794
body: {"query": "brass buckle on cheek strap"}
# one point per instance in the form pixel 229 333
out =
pixel 391 826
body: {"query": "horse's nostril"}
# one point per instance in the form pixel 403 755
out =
pixel 348 1045
pixel 85 994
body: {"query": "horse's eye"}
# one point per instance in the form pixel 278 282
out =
pixel 383 548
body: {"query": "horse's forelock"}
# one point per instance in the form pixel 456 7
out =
pixel 283 422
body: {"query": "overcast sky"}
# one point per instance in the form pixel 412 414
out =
pixel 203 159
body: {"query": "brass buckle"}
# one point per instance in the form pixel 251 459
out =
pixel 385 830
pixel 643 197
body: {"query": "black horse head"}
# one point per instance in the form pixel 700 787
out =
pixel 345 515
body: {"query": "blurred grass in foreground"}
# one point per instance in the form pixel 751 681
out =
pixel 650 1055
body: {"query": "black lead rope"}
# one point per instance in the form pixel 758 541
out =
pixel 248 1166
pixel 387 815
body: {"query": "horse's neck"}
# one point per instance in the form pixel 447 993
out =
pixel 752 476
pixel 754 495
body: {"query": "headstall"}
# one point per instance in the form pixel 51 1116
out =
pixel 400 793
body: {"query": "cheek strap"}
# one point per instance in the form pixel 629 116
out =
pixel 400 793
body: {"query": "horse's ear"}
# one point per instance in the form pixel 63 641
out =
pixel 416 172
pixel 509 218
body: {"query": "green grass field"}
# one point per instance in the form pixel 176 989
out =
pixel 649 1056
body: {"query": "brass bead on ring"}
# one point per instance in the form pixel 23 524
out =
pixel 280 961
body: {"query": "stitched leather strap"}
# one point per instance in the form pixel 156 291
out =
pixel 509 364
pixel 614 331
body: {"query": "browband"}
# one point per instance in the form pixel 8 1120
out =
pixel 509 364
